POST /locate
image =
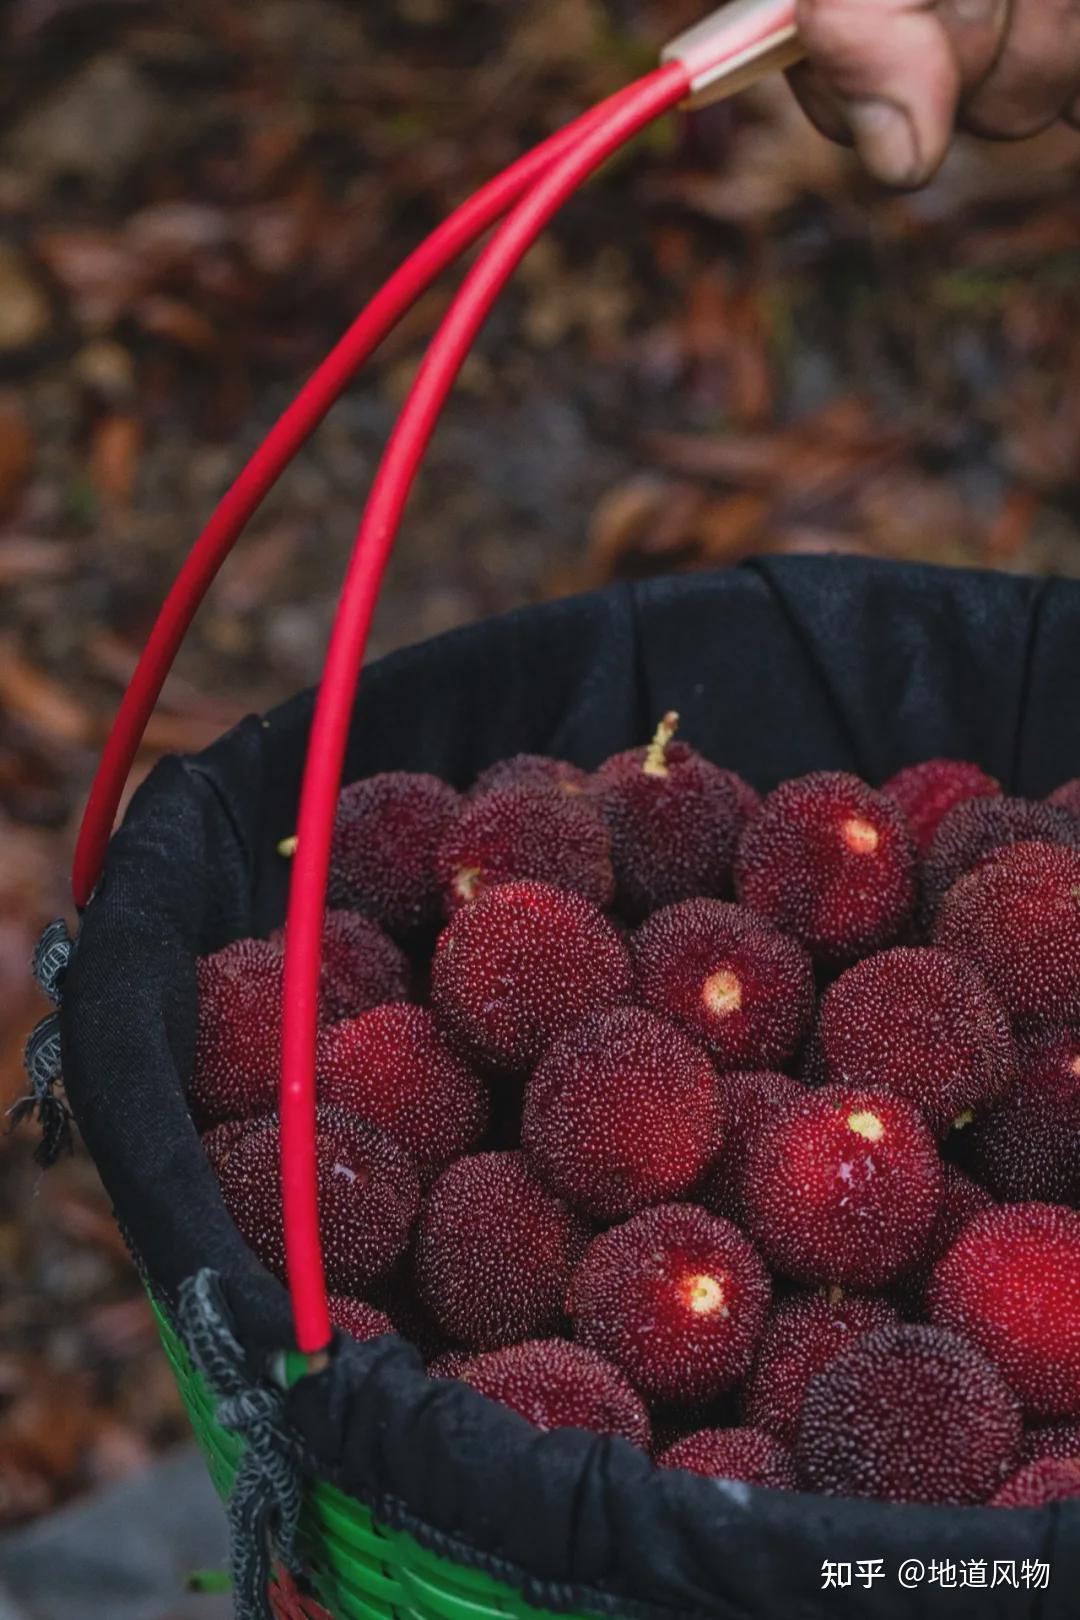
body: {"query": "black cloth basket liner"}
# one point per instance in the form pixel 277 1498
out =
pixel 777 668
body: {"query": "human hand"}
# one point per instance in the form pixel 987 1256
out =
pixel 896 77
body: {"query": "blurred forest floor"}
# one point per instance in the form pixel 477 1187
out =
pixel 731 344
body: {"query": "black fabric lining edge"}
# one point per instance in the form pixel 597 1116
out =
pixel 1035 617
pixel 764 569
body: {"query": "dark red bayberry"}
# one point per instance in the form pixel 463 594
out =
pixel 494 1252
pixel 802 1335
pixel 448 1363
pixel 829 860
pixel 368 1198
pixel 557 1385
pixel 748 797
pixel 743 1454
pixel 675 1297
pixel 1067 796
pixel 396 1295
pixel 1028 1150
pixel 522 964
pixel 674 820
pixel 219 1141
pixel 1011 1284
pixel 971 832
pixel 531 770
pixel 729 977
pixel 1054 1479
pixel 908 1414
pixel 362 967
pixel 525 832
pixel 238 1035
pixel 1048 1063
pixel 923 1024
pixel 357 1318
pixel 1052 1440
pixel 388 830
pixel 962 1201
pixel 843 1188
pixel 1017 917
pixel 391 1067
pixel 623 1111
pixel 753 1098
pixel 928 791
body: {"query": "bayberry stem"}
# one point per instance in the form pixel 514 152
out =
pixel 656 753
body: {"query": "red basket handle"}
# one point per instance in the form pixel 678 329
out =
pixel 737 43
pixel 292 430
pixel 751 36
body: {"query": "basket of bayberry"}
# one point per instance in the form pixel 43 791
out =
pixel 698 1114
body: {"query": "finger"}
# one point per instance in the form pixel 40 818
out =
pixel 975 29
pixel 1036 75
pixel 819 102
pixel 895 77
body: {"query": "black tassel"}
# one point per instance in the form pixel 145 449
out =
pixel 42 1054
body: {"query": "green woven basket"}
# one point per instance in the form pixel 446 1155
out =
pixel 360 1569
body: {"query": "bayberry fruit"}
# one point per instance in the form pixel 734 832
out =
pixel 622 1112
pixel 832 862
pixel 675 1297
pixel 729 977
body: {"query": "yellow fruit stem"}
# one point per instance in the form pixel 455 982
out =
pixel 656 753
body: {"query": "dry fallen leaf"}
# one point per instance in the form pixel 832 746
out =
pixel 37 701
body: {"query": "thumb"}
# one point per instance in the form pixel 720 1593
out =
pixel 893 71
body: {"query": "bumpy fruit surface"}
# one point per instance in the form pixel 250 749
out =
pixel 1028 1150
pixel 928 791
pixel 238 1034
pixel 1067 796
pixel 624 1111
pixel 1052 1440
pixel 494 1252
pixel 675 1297
pixel 832 862
pixel 520 965
pixel 525 832
pixel 392 1067
pixel 1011 1284
pixel 386 837
pixel 754 1098
pixel 744 1454
pixel 923 1024
pixel 357 1318
pixel 674 820
pixel 909 1414
pixel 843 1188
pixel 962 1201
pixel 362 967
pixel 729 977
pixel 803 1334
pixel 971 832
pixel 1055 1479
pixel 1017 918
pixel 531 770
pixel 556 1385
pixel 369 1194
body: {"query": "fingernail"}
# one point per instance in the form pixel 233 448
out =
pixel 885 141
pixel 975 11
